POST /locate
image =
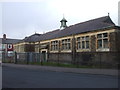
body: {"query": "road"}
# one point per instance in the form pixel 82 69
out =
pixel 16 77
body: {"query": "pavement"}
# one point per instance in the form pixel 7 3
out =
pixel 112 72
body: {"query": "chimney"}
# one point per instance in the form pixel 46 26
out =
pixel 4 36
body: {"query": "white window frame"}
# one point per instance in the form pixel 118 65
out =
pixel 66 44
pixel 82 39
pixel 102 38
pixel 54 45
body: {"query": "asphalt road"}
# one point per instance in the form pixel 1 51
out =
pixel 16 77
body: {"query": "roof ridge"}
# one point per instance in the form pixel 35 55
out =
pixel 99 18
pixel 89 25
pixel 95 19
pixel 51 31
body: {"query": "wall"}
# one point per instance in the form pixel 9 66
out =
pixel 110 59
pixel 29 48
pixel 60 57
pixel 118 41
pixel 115 41
pixel 98 57
pixel 93 42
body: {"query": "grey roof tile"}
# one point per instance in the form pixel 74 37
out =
pixel 9 41
pixel 31 38
pixel 91 25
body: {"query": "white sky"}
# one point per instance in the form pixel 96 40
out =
pixel 20 19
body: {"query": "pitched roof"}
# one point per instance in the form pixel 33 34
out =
pixel 48 35
pixel 9 41
pixel 31 38
pixel 91 25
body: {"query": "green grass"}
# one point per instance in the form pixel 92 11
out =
pixel 55 64
pixel 7 61
pixel 69 65
pixel 60 65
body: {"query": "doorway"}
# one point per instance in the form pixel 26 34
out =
pixel 44 56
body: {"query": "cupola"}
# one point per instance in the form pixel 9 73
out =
pixel 63 23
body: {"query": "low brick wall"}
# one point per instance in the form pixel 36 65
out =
pixel 60 57
pixel 87 58
pixel 100 59
pixel 110 58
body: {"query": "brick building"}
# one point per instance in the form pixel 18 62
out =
pixel 84 41
pixel 27 44
pixel 6 47
pixel 6 44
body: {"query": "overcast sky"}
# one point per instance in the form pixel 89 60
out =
pixel 21 19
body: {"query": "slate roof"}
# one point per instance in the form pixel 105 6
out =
pixel 48 35
pixel 91 25
pixel 31 38
pixel 9 41
pixel 88 26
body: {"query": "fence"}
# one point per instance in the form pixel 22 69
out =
pixel 92 59
pixel 21 57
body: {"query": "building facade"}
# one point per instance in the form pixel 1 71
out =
pixel 69 43
pixel 6 47
pixel 6 44
pixel 27 44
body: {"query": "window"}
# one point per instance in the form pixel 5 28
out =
pixel 102 40
pixel 83 42
pixel 99 43
pixel 87 42
pixel 78 43
pixel 37 48
pixel 66 44
pixel 54 45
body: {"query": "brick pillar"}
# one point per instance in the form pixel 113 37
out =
pixel 48 51
pixel 93 43
pixel 59 50
pixel 25 47
pixel 73 48
pixel 118 41
pixel 112 41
